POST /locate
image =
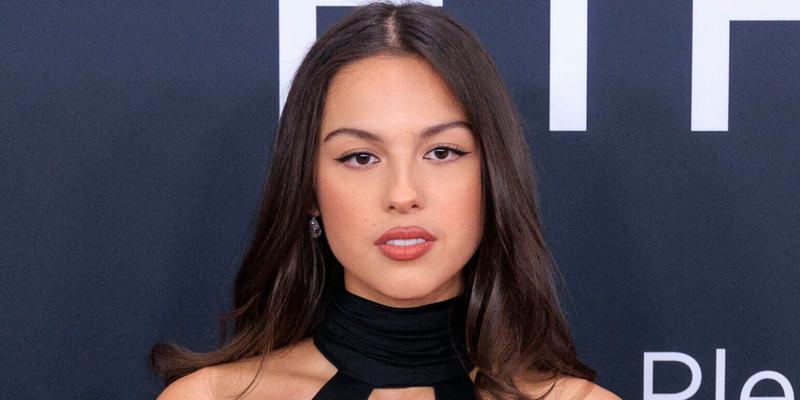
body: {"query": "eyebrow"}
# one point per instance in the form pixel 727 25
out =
pixel 427 132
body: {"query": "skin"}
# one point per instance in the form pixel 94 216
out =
pixel 401 181
pixel 403 184
pixel 299 371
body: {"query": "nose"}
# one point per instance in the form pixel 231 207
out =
pixel 403 193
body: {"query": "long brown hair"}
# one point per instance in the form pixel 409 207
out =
pixel 514 323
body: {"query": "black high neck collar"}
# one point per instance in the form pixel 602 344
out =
pixel 383 346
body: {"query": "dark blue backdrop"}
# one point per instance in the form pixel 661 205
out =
pixel 135 136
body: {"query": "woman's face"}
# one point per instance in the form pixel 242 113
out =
pixel 401 178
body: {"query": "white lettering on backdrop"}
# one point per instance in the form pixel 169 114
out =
pixel 711 21
pixel 568 52
pixel 650 358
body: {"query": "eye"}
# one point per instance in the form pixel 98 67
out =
pixel 362 158
pixel 446 150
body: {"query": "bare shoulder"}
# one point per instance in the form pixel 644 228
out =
pixel 582 389
pixel 568 388
pixel 294 372
pixel 192 386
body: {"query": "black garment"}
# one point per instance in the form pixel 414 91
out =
pixel 377 346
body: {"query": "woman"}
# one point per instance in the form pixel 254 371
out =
pixel 429 277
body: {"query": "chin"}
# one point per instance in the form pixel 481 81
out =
pixel 415 288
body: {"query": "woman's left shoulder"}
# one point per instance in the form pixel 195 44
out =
pixel 571 388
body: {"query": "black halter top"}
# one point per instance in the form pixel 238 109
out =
pixel 373 345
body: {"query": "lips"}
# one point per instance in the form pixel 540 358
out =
pixel 405 232
pixel 405 253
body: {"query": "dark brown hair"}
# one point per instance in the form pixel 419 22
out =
pixel 514 323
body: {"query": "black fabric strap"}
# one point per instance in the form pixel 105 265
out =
pixel 342 386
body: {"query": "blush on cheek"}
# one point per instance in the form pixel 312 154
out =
pixel 346 213
pixel 463 197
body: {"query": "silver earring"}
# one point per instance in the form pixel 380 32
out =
pixel 314 226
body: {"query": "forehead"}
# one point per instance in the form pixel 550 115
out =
pixel 389 93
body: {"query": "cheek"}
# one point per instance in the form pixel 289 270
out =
pixel 459 203
pixel 344 203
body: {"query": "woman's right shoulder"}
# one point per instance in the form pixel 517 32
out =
pixel 294 371
pixel 212 382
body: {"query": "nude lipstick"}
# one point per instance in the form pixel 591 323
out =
pixel 405 243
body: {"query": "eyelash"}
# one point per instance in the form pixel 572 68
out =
pixel 454 149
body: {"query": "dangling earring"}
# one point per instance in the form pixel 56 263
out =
pixel 314 226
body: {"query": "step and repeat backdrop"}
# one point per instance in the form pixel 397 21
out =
pixel 666 140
